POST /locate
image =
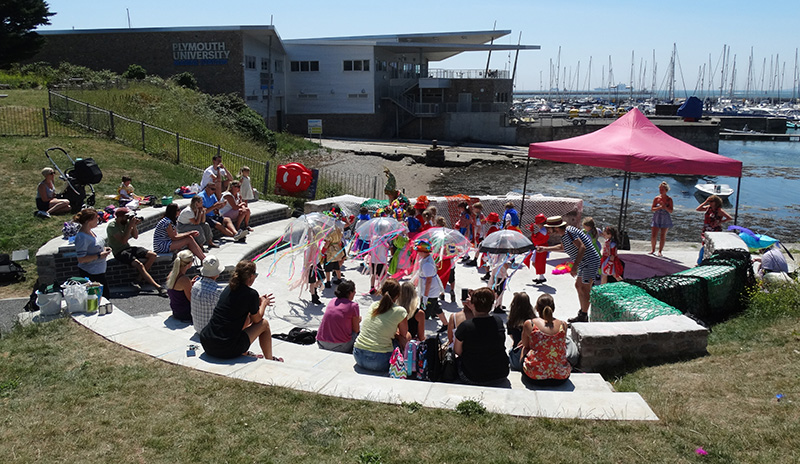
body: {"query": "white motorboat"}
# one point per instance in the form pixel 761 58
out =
pixel 721 190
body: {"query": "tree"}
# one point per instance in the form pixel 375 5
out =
pixel 18 19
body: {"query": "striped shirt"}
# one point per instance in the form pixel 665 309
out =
pixel 161 241
pixel 590 257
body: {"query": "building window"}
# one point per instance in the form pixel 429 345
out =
pixel 380 66
pixel 278 66
pixel 356 65
pixel 250 62
pixel 501 97
pixel 304 66
pixel 357 95
pixel 265 64
pixel 266 80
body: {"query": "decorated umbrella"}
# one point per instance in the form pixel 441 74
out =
pixel 506 241
pixel 380 228
pixel 445 243
pixel 753 240
pixel 309 228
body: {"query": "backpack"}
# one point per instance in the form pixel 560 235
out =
pixel 9 270
pixel 299 335
pixel 433 364
pixel 412 347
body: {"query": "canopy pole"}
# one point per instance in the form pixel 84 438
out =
pixel 738 189
pixel 622 201
pixel 524 190
pixel 627 201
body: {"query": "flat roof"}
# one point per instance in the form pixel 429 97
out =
pixel 435 46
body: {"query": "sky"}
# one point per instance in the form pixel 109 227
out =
pixel 583 30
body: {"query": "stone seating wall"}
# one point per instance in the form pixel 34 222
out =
pixel 56 260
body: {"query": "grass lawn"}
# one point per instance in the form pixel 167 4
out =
pixel 69 395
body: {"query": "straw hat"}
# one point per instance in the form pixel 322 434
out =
pixel 555 221
pixel 211 267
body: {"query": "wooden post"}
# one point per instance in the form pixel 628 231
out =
pixel 266 178
pixel 44 121
pixel 112 133
pixel 178 151
pixel 88 117
pixel 144 147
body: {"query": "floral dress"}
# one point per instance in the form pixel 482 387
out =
pixel 611 265
pixel 547 358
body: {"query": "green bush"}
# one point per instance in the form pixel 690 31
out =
pixel 185 79
pixel 135 72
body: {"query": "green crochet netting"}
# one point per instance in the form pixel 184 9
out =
pixel 621 301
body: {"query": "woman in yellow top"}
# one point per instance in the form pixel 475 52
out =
pixel 384 327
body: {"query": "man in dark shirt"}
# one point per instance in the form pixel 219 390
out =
pixel 480 343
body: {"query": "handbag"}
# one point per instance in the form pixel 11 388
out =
pixel 397 365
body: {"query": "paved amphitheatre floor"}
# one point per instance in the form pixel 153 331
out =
pixel 307 368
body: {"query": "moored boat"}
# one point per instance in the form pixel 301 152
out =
pixel 721 190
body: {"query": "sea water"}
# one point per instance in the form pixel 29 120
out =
pixel 769 197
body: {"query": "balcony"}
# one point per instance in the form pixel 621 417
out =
pixel 468 74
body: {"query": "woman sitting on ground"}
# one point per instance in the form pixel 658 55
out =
pixel 544 345
pixel 235 207
pixel 238 319
pixel 46 200
pixel 179 287
pixel 194 218
pixel 480 343
pixel 340 322
pixel 416 318
pixel 166 239
pixel 521 311
pixel 376 340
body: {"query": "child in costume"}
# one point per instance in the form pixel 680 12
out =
pixel 511 218
pixel 498 280
pixel 591 229
pixel 539 238
pixel 493 219
pixel 429 284
pixel 611 265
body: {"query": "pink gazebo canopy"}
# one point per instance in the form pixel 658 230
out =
pixel 634 144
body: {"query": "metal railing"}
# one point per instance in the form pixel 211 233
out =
pixel 32 122
pixel 468 74
pixel 66 114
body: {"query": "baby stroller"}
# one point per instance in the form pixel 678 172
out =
pixel 84 172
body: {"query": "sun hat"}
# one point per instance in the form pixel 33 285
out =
pixel 424 246
pixel 493 217
pixel 211 267
pixel 119 212
pixel 540 219
pixel 420 205
pixel 555 221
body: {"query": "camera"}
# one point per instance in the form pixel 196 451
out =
pixel 131 215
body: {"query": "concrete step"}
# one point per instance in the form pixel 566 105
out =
pixel 308 368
